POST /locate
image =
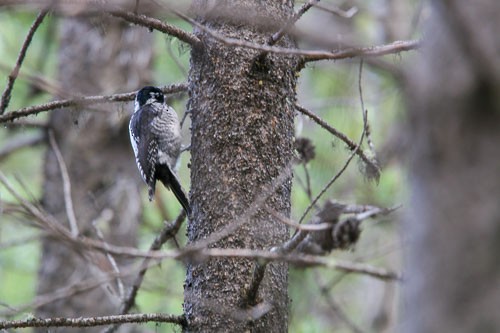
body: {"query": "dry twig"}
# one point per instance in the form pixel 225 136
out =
pixel 334 307
pixel 94 321
pixel 68 202
pixel 310 55
pixel 4 102
pixel 295 17
pixel 350 144
pixel 156 24
pixel 83 101
pixel 105 217
pixel 337 11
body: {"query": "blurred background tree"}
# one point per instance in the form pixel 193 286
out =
pixel 96 56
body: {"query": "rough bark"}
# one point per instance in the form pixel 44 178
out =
pixel 242 140
pixel 97 56
pixel 453 226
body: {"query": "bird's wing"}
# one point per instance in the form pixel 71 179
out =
pixel 146 144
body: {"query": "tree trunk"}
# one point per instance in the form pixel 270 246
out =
pixel 97 56
pixel 242 140
pixel 453 227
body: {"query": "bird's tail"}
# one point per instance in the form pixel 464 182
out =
pixel 169 179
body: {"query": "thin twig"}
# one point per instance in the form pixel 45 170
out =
pixel 156 24
pixel 346 164
pixel 68 202
pixel 334 307
pixel 36 80
pixel 170 52
pixel 327 186
pixel 295 17
pixel 4 102
pixel 308 181
pixel 337 10
pixel 369 141
pixel 184 117
pixel 310 55
pixel 303 260
pixel 370 51
pixel 375 211
pixel 94 321
pixel 104 218
pixel 306 227
pixel 83 101
pixel 47 221
pixel 350 144
pixel 293 242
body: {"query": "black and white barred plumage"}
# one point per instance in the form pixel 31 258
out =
pixel 155 135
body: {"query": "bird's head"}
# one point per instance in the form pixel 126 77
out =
pixel 148 95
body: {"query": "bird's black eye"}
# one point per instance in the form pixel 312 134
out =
pixel 159 97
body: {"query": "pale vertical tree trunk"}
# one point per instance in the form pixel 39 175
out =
pixel 453 228
pixel 97 56
pixel 242 140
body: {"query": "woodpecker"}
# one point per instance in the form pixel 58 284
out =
pixel 155 134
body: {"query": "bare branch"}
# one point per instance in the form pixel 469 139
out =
pixel 351 144
pixel 305 227
pixel 370 51
pixel 105 217
pixel 325 188
pixel 311 55
pixel 371 147
pixel 68 202
pixel 337 11
pixel 36 80
pixel 83 101
pixel 176 60
pixel 156 24
pixel 334 307
pixel 303 260
pixel 50 223
pixel 4 102
pixel 295 17
pixel 94 321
